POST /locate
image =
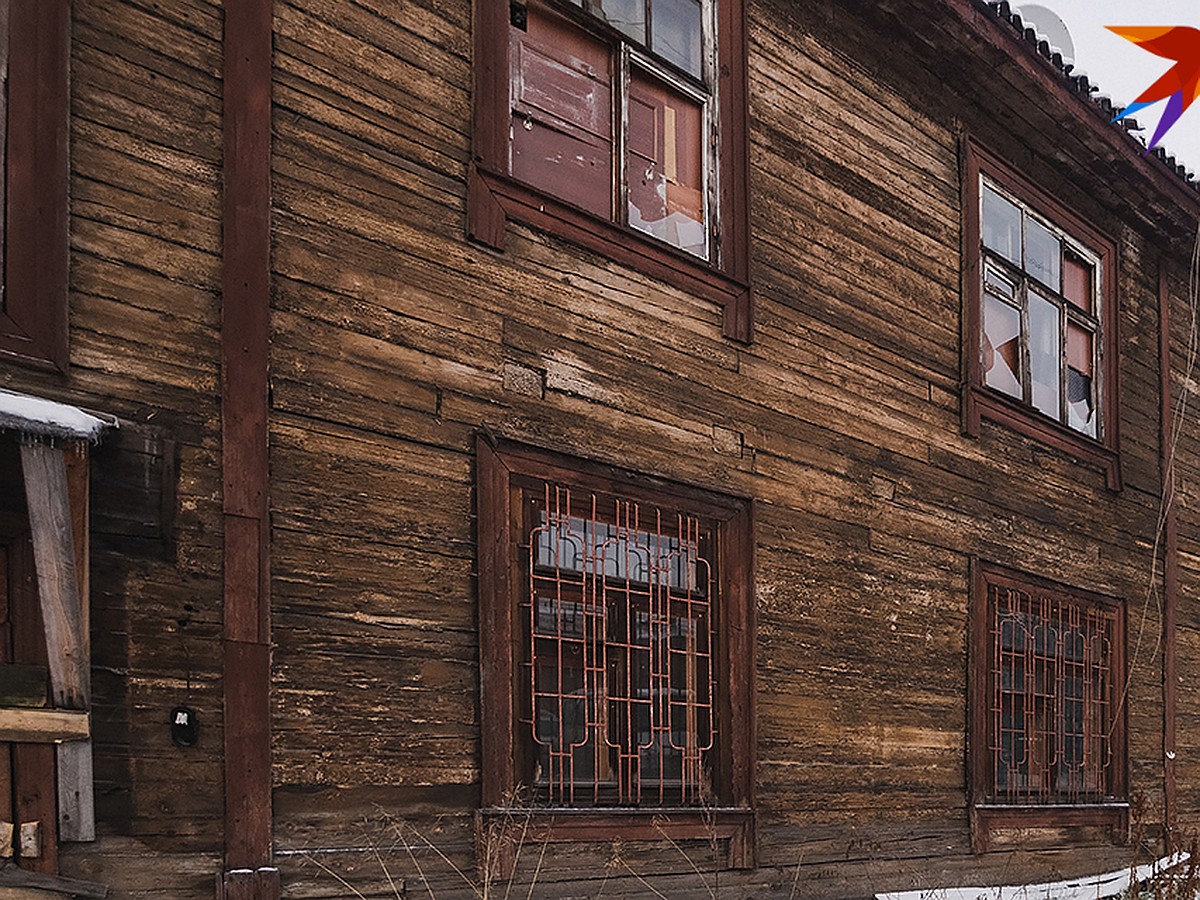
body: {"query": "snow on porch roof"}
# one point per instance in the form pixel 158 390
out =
pixel 45 418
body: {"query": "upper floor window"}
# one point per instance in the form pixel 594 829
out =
pixel 1041 317
pixel 615 648
pixel 34 55
pixel 612 118
pixel 1049 727
pixel 620 125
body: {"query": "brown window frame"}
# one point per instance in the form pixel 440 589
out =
pixel 494 196
pixel 991 810
pixel 33 309
pixel 980 401
pixel 505 471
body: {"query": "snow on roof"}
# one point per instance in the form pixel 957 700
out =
pixel 1087 888
pixel 45 418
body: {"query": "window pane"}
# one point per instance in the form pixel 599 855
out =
pixel 562 112
pixel 998 283
pixel 628 16
pixel 1077 282
pixel 1081 411
pixel 665 165
pixel 677 32
pixel 1001 346
pixel 1001 226
pixel 1043 253
pixel 1045 355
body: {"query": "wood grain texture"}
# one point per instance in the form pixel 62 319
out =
pixel 245 310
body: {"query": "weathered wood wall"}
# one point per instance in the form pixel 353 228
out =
pixel 144 269
pixel 395 341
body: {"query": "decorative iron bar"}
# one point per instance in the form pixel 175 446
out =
pixel 1053 698
pixel 621 640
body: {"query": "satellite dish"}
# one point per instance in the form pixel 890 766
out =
pixel 1047 23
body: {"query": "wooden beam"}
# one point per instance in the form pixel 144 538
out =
pixel 55 528
pixel 76 797
pixel 72 887
pixel 41 726
pixel 47 496
pixel 245 337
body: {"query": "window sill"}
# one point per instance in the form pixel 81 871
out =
pixel 989 820
pixel 980 403
pixel 499 831
pixel 493 199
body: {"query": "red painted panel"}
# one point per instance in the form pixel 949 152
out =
pixel 562 112
pixel 1077 282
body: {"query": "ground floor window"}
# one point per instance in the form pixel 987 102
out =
pixel 616 648
pixel 1048 726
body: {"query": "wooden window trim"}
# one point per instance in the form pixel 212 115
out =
pixel 494 197
pixel 500 465
pixel 33 316
pixel 988 818
pixel 978 401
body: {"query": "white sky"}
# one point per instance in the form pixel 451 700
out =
pixel 1122 69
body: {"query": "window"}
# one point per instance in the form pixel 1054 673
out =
pixel 1041 321
pixel 620 125
pixel 616 653
pixel 33 137
pixel 1048 737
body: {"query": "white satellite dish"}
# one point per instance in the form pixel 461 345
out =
pixel 1047 23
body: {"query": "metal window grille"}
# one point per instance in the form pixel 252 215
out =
pixel 620 640
pixel 1053 698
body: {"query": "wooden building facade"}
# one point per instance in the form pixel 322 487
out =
pixel 662 448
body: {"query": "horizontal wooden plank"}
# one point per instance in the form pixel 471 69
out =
pixel 39 726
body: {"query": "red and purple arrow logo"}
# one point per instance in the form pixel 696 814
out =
pixel 1179 85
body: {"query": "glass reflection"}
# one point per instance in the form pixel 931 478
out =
pixel 1001 226
pixel 676 33
pixel 1045 347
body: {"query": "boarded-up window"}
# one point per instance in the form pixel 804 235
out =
pixel 609 112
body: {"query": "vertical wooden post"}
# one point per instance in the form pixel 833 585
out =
pixel 1170 547
pixel 245 322
pixel 55 527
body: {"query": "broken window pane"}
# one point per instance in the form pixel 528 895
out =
pixel 1002 346
pixel 1045 350
pixel 1077 282
pixel 628 16
pixel 676 33
pixel 1001 226
pixel 1043 253
pixel 1081 410
pixel 665 165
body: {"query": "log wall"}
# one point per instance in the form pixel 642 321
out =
pixel 395 341
pixel 145 139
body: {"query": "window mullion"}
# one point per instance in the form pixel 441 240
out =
pixel 1026 341
pixel 1063 375
pixel 621 133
